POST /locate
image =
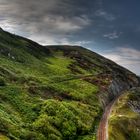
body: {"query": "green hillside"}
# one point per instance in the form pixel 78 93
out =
pixel 124 122
pixel 54 92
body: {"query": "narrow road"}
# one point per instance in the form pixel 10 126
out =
pixel 102 133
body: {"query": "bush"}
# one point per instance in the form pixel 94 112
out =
pixel 2 82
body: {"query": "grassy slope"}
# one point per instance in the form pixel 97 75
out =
pixel 124 123
pixel 50 92
pixel 43 98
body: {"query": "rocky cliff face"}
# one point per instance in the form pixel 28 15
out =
pixel 122 80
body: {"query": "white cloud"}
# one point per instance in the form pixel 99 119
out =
pixel 61 40
pixel 65 24
pixel 113 35
pixel 127 57
pixel 103 14
pixel 69 42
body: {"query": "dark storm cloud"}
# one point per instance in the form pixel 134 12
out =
pixel 53 19
pixel 45 15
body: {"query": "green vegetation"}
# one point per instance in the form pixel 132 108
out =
pixel 124 122
pixel 50 93
pixel 70 118
pixel 41 97
pixel 2 82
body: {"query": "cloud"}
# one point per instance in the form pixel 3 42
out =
pixel 105 15
pixel 125 56
pixel 113 35
pixel 48 18
pixel 65 24
pixel 61 40
pixel 67 42
pixel 53 14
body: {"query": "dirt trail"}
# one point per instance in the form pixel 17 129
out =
pixel 102 133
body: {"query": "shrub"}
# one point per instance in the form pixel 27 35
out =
pixel 2 82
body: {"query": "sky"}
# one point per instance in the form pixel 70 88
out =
pixel 108 27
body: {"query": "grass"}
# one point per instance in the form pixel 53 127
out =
pixel 124 122
pixel 2 137
pixel 78 89
pixel 41 97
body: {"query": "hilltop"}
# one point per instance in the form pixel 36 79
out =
pixel 55 92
